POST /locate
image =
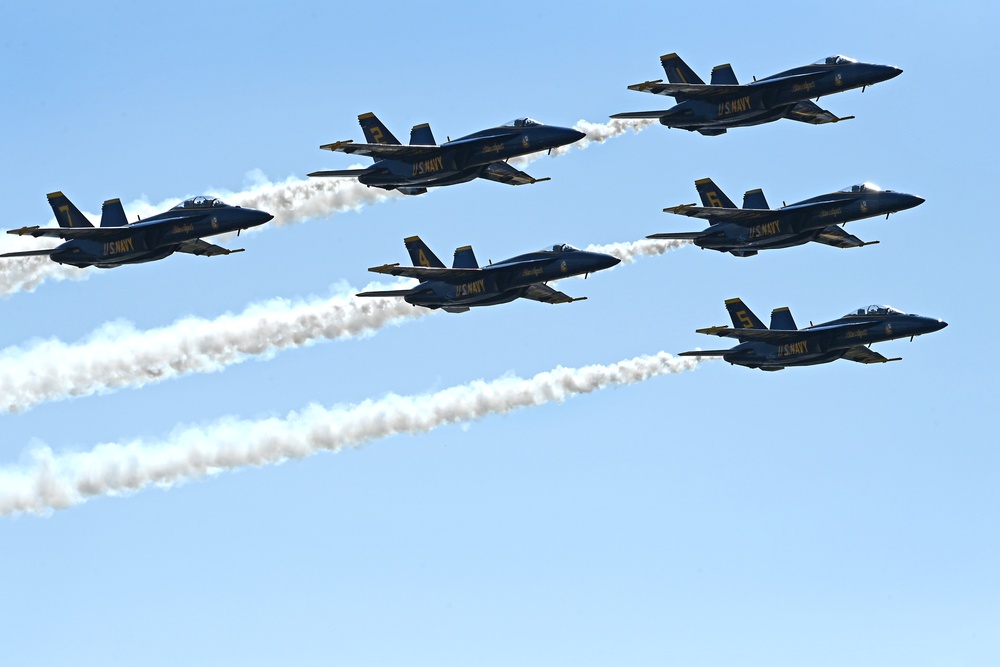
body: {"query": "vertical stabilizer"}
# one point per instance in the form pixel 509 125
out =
pixel 67 215
pixel 375 131
pixel 724 75
pixel 465 258
pixel 112 214
pixel 421 135
pixel 743 317
pixel 712 195
pixel 755 199
pixel 420 254
pixel 677 70
pixel 781 319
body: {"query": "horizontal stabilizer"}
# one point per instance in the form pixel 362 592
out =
pixel 338 172
pixel 681 236
pixel 641 114
pixel 704 353
pixel 389 292
pixel 29 253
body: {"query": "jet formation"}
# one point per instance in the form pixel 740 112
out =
pixel 466 284
pixel 783 344
pixel 723 103
pixel 412 169
pixel 116 242
pixel 756 226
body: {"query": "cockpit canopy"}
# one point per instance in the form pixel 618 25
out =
pixel 875 310
pixel 835 60
pixel 200 201
pixel 521 122
pixel 862 187
pixel 560 247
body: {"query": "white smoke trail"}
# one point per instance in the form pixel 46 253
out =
pixel 294 200
pixel 19 274
pixel 117 355
pixel 629 250
pixel 596 133
pixel 601 132
pixel 59 481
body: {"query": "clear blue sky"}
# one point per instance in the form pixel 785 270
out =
pixel 843 514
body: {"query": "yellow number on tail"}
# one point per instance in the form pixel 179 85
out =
pixel 747 322
pixel 423 259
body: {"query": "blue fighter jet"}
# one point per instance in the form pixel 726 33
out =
pixel 848 337
pixel 467 284
pixel 756 226
pixel 116 242
pixel 423 164
pixel 724 102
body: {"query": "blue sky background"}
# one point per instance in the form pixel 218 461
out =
pixel 843 514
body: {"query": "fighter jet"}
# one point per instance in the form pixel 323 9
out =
pixel 744 231
pixel 467 284
pixel 423 164
pixel 712 108
pixel 116 242
pixel 848 337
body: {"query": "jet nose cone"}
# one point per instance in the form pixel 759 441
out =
pixel 940 324
pixel 885 72
pixel 576 135
pixel 607 261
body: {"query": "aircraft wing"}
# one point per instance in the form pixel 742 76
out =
pixel 199 247
pixel 762 335
pixel 711 92
pixel 545 294
pixel 691 91
pixel 427 272
pixel 807 112
pixel 863 355
pixel 838 238
pixel 71 232
pixel 382 151
pixel 501 172
pixel 717 214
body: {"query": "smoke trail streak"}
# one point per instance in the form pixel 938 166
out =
pixel 295 200
pixel 19 274
pixel 596 133
pixel 117 356
pixel 629 250
pixel 59 481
